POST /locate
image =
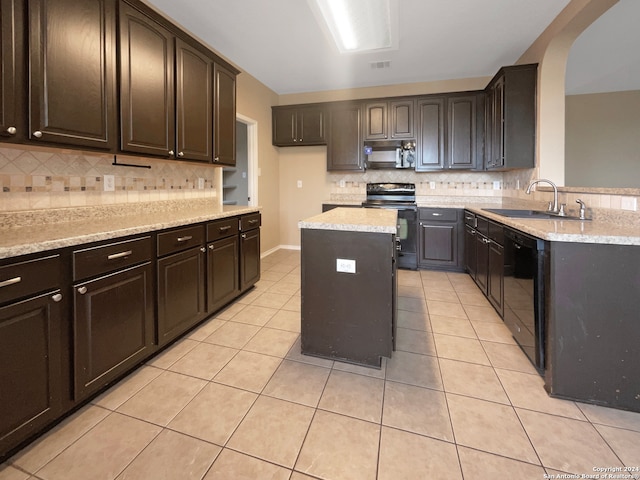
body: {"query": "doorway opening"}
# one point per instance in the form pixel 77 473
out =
pixel 239 183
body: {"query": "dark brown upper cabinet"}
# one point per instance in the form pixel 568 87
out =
pixel 511 118
pixel 72 76
pixel 344 142
pixel 10 22
pixel 147 107
pixel 465 131
pixel 430 146
pixel 298 125
pixel 194 105
pixel 224 115
pixel 389 120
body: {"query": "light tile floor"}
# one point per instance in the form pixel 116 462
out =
pixel 235 399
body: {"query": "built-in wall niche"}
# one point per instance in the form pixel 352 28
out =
pixel 602 104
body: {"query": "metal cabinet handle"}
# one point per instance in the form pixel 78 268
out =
pixel 436 214
pixel 202 249
pixel 82 290
pixel 186 238
pixel 11 130
pixel 211 247
pixel 224 228
pixel 244 235
pixel 11 281
pixel 472 232
pixel 216 159
pixel 57 297
pixel 119 255
pixel 517 246
pixel 253 222
pixel 37 134
pixel 181 154
pixel 170 152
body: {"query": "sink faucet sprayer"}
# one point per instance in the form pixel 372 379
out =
pixel 552 208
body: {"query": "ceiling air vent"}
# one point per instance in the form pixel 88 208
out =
pixel 380 65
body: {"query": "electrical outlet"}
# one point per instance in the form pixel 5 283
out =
pixel 432 185
pixel 342 184
pixel 345 266
pixel 200 183
pixel 109 183
pixel 299 183
pixel 496 185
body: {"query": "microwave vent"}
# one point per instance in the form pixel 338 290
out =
pixel 380 65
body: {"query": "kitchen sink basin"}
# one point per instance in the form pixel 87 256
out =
pixel 531 214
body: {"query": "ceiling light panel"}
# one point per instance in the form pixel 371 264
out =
pixel 358 25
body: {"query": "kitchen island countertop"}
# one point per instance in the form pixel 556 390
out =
pixel 372 220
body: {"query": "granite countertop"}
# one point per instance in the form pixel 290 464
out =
pixel 33 237
pixel 373 220
pixel 614 231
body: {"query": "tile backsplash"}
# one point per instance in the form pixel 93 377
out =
pixel 38 178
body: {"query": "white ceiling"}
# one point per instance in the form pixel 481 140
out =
pixel 280 42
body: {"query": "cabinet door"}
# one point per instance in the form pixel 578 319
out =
pixel 482 262
pixel 222 272
pixel 495 287
pixel 438 244
pixel 224 116
pixel 375 121
pixel 401 117
pixel 181 295
pixel 344 146
pixel 113 326
pixel 496 160
pixel 284 126
pixel 147 107
pixel 470 256
pixel 9 22
pixel 311 126
pixel 72 72
pixel 194 106
pixel 249 258
pixel 430 134
pixel 30 377
pixel 461 132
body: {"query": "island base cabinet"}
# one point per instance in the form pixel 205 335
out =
pixel 30 372
pixel 113 327
pixel 348 316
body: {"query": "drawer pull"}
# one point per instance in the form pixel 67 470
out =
pixel 253 222
pixel 57 297
pixel 82 290
pixel 202 249
pixel 11 281
pixel 436 214
pixel 115 256
pixel 224 229
pixel 186 238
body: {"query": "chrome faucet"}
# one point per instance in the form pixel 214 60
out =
pixel 583 208
pixel 552 208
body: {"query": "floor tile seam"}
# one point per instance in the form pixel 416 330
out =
pixel 315 412
pixel 255 457
pixel 416 353
pixel 519 460
pixel 206 379
pixel 423 435
pixel 76 440
pixel 268 354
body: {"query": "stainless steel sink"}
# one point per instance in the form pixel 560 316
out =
pixel 531 214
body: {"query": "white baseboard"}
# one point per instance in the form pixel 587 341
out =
pixel 279 247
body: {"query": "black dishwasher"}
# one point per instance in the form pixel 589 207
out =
pixel 524 293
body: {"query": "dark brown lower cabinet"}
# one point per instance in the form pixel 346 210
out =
pixel 495 269
pixel 222 272
pixel 113 326
pixel 249 250
pixel 181 295
pixel 30 367
pixel 482 262
pixel 440 238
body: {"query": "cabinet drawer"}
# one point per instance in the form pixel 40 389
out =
pixel 180 239
pixel 438 214
pixel 109 258
pixel 222 229
pixel 482 225
pixel 470 219
pixel 247 222
pixel 20 279
pixel 496 233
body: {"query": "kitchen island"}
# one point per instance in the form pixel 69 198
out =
pixel 349 285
